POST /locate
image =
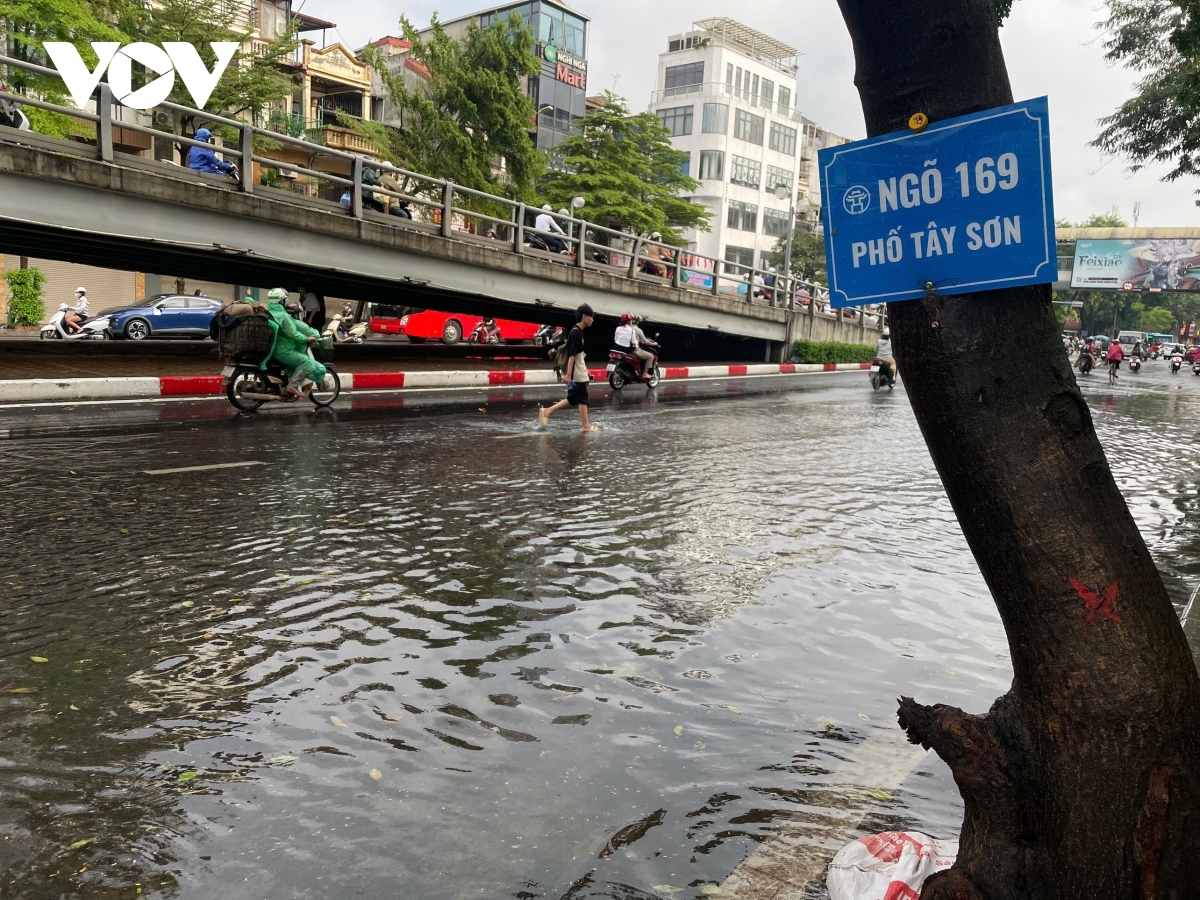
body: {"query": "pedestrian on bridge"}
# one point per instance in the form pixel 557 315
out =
pixel 576 374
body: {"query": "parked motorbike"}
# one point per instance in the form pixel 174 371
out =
pixel 486 332
pixel 248 387
pixel 1135 365
pixel 56 328
pixel 881 376
pixel 343 330
pixel 626 368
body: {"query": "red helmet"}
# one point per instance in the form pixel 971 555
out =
pixel 626 318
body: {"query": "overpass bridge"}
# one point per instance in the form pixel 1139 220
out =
pixel 85 201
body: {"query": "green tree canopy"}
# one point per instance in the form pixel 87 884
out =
pixel 472 113
pixel 628 173
pixel 1159 39
pixel 808 256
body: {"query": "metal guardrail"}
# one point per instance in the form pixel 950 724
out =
pixel 595 247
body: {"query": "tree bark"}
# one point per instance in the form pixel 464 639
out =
pixel 1082 781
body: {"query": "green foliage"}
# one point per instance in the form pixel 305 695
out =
pixel 628 173
pixel 808 256
pixel 829 352
pixel 1158 319
pixel 473 111
pixel 1110 219
pixel 59 125
pixel 25 306
pixel 1160 39
pixel 1001 8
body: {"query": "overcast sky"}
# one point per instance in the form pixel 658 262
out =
pixel 1051 46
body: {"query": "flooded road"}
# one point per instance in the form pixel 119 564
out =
pixel 437 654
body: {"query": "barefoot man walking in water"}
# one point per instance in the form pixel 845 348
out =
pixel 577 375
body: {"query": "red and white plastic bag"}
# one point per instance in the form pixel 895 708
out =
pixel 888 866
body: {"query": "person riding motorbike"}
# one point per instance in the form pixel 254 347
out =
pixel 656 256
pixel 201 159
pixel 545 223
pixel 625 340
pixel 77 314
pixel 883 352
pixel 292 338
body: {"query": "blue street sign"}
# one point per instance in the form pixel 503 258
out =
pixel 965 205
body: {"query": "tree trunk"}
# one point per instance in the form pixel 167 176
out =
pixel 1082 781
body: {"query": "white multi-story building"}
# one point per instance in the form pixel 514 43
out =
pixel 727 94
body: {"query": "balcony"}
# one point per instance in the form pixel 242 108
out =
pixel 717 90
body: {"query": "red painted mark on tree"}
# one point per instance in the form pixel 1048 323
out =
pixel 1104 605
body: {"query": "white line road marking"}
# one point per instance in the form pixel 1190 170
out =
pixel 235 465
pixel 785 864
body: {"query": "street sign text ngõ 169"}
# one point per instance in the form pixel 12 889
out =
pixel 965 205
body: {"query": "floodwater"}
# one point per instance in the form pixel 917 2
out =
pixel 439 655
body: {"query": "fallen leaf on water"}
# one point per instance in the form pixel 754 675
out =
pixel 162 488
pixel 699 745
pixel 21 691
pixel 884 796
pixel 74 707
pixel 336 721
pixel 189 603
pixel 283 759
pixel 187 776
pixel 39 659
pixel 733 709
pixel 679 729
pixel 209 636
pixel 62 518
pixel 78 844
pixel 864 717
pixel 376 775
pixel 124 531
pixel 667 889
pixel 130 503
pixel 710 889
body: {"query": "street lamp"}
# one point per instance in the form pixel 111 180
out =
pixel 784 192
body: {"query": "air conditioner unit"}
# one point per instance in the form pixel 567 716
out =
pixel 288 173
pixel 162 118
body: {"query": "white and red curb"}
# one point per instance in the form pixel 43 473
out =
pixel 36 390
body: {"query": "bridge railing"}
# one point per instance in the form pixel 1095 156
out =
pixel 442 207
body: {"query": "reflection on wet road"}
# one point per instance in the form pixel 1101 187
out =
pixel 443 656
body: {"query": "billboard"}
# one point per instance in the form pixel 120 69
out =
pixel 1170 264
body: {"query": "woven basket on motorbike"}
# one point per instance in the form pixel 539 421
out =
pixel 322 350
pixel 245 338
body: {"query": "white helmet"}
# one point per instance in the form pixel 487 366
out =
pixel 548 208
pixel 279 295
pixel 657 236
pixel 81 290
pixel 887 332
pixel 563 212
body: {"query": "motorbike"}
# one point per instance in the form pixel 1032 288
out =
pixel 1176 364
pixel 1135 365
pixel 545 335
pixel 248 387
pixel 1086 363
pixel 343 330
pixel 881 376
pixel 1196 367
pixel 626 368
pixel 538 242
pixel 486 332
pixel 56 328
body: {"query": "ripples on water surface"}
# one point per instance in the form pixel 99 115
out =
pixel 444 657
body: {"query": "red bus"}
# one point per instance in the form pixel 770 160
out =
pixel 449 328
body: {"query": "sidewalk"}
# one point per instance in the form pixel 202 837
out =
pixel 195 386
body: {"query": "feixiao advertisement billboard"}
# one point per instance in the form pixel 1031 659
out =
pixel 1170 264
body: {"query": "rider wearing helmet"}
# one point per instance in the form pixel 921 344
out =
pixel 77 314
pixel 292 338
pixel 626 340
pixel 545 223
pixel 883 351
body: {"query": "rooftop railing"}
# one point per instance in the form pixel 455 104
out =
pixel 718 90
pixel 442 207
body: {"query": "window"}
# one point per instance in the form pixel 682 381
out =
pixel 712 165
pixel 736 258
pixel 746 172
pixel 777 176
pixel 272 19
pixel 749 127
pixel 754 92
pixel 677 120
pixel 687 43
pixel 716 118
pixel 684 79
pixel 742 216
pixel 174 303
pixel 729 78
pixel 785 100
pixel 783 139
pixel 768 93
pixel 774 222
pixel 738 82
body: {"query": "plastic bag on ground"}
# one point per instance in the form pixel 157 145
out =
pixel 888 866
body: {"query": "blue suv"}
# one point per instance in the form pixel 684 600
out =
pixel 163 315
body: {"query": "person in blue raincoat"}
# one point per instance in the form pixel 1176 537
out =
pixel 203 159
pixel 290 349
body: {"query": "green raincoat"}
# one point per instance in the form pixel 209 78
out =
pixel 290 349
